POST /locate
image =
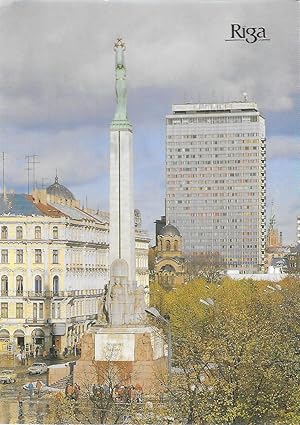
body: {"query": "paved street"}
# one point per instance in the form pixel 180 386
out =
pixel 33 410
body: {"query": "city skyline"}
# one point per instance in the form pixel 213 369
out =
pixel 57 94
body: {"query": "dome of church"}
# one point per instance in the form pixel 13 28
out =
pixel 169 230
pixel 57 189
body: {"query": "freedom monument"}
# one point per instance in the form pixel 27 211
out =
pixel 123 339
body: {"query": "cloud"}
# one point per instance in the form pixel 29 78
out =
pixel 80 156
pixel 283 147
pixel 57 82
pixel 56 69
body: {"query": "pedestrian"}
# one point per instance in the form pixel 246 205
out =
pixel 30 389
pixel 76 391
pixel 23 358
pixel 37 351
pixel 69 391
pixel 27 357
pixel 20 400
pixel 20 404
pixel 65 352
pixel 139 393
pixel 38 387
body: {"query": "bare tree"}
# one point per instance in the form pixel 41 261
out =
pixel 207 265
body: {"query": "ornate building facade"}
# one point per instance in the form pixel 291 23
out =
pixel 54 266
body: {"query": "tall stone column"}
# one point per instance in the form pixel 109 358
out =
pixel 122 241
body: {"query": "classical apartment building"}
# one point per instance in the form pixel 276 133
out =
pixel 53 268
pixel 215 180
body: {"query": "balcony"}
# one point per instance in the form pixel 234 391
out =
pixel 33 294
pixel 36 321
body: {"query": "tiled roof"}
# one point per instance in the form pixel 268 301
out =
pixel 18 204
pixel 49 210
pixel 71 212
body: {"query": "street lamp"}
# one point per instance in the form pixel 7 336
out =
pixel 156 314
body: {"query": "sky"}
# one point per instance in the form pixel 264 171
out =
pixel 57 93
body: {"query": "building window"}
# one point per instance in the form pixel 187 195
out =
pixel 58 311
pixel 53 311
pixel 38 256
pixel 19 285
pixel 38 284
pixel 19 256
pixel 55 256
pixel 34 312
pixel 168 245
pixel 37 232
pixel 4 285
pixel 4 256
pixel 19 232
pixel 41 310
pixel 55 285
pixel 19 310
pixel 4 232
pixel 55 232
pixel 4 310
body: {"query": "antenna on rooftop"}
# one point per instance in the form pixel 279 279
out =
pixel 34 162
pixel 31 160
pixel 28 169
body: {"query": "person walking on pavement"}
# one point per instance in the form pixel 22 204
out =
pixel 69 390
pixel 20 404
pixel 30 389
pixel 38 388
pixel 76 392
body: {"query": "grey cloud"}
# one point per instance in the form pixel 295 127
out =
pixel 56 67
pixel 283 147
pixel 73 153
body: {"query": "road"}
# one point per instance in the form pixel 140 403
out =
pixel 34 410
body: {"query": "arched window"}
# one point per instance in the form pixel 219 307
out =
pixel 37 232
pixel 4 232
pixel 19 285
pixel 168 245
pixel 19 232
pixel 55 285
pixel 175 245
pixel 4 285
pixel 38 284
pixel 55 232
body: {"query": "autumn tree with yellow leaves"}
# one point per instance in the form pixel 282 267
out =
pixel 236 358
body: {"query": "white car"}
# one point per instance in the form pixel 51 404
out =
pixel 37 368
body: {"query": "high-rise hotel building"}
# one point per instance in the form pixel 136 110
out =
pixel 215 180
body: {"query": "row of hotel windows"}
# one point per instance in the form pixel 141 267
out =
pixel 20 256
pixel 19 232
pixel 213 120
pixel 38 311
pixel 20 285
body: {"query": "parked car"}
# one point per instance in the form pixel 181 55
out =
pixel 8 376
pixel 37 368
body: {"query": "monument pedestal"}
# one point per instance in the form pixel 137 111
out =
pixel 131 355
